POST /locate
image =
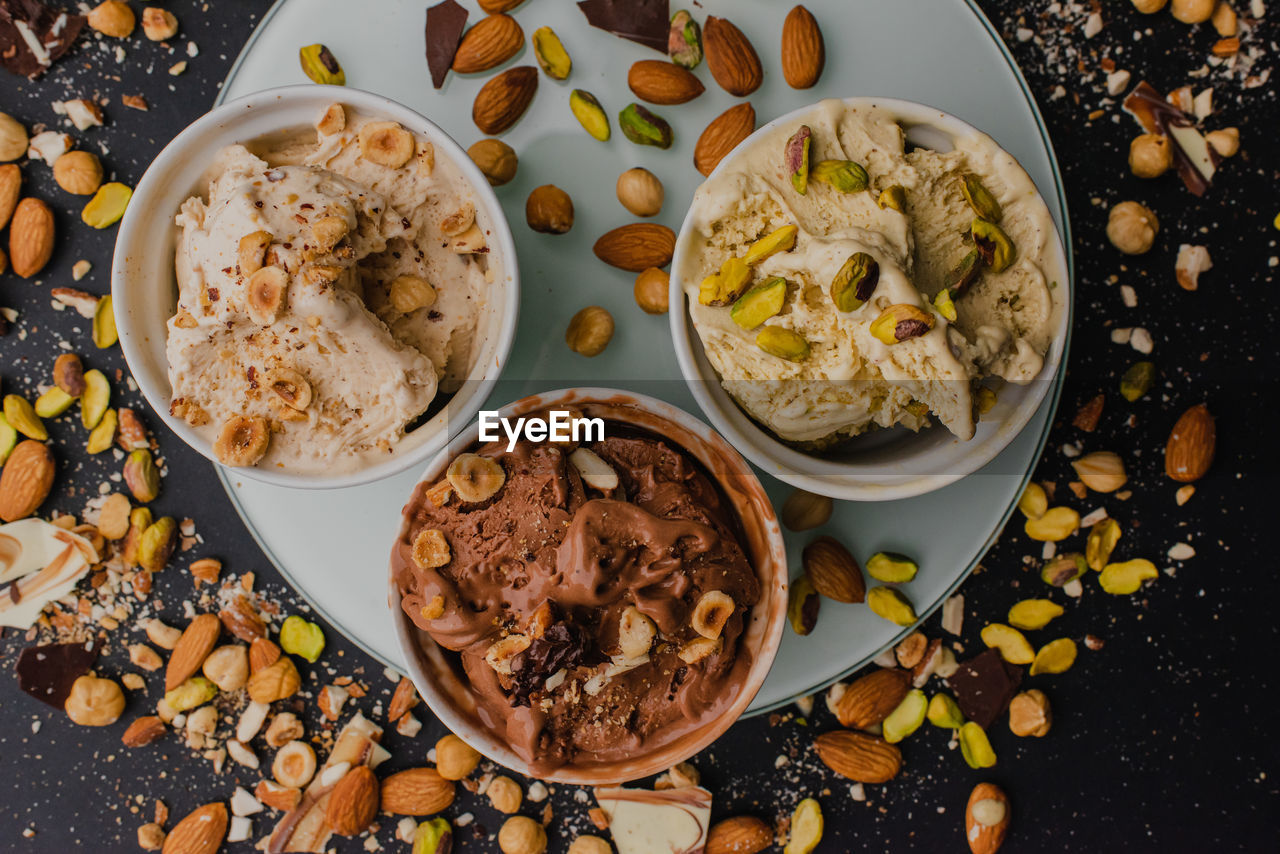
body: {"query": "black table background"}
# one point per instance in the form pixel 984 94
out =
pixel 1162 739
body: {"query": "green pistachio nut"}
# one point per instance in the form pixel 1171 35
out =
pixel 893 198
pixel 1101 542
pixel 550 53
pixel 319 63
pixel 1136 381
pixel 1034 501
pixel 643 127
pixel 783 343
pixel 797 158
pixel 587 110
pixel 901 322
pixel 889 604
pixel 8 438
pixel 684 40
pixel 1122 579
pixel 301 637
pixel 101 437
pixel 993 244
pixel 434 836
pixel 964 274
pixel 1012 644
pixel 157 544
pixel 779 240
pixel 22 416
pixel 906 718
pixel 96 398
pixel 802 605
pixel 1033 614
pixel 806 828
pixel 944 302
pixel 891 567
pixel 844 176
pixel 725 287
pixel 944 712
pixel 1054 657
pixel 141 476
pixel 760 303
pixel 104 324
pixel 984 204
pixel 194 692
pixel 1063 569
pixel 855 282
pixel 975 747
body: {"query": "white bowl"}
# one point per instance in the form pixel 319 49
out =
pixel 887 464
pixel 433 669
pixel 144 288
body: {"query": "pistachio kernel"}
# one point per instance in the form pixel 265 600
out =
pixel 891 567
pixel 8 439
pixel 779 240
pixel 1101 542
pixel 975 747
pixel 797 158
pixel 22 417
pixel 944 712
pixel 944 302
pixel 684 40
pixel 104 324
pixel 901 322
pixel 984 204
pixel 1137 380
pixel 319 64
pixel 1055 525
pixel 550 53
pixel 1033 614
pixel 783 343
pixel 587 110
pixel 107 205
pixel 300 637
pixel 1063 569
pixel 893 198
pixel 845 176
pixel 760 303
pixel 993 244
pixel 101 437
pixel 965 273
pixel 644 127
pixel 1012 644
pixel 1122 579
pixel 890 604
pixel 855 282
pixel 806 828
pixel 725 287
pixel 434 836
pixel 1056 656
pixel 803 602
pixel 95 400
pixel 1034 501
pixel 906 718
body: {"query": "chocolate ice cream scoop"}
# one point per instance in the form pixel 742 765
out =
pixel 592 622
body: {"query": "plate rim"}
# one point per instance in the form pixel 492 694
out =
pixel 1051 401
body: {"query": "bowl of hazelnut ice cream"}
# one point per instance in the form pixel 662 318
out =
pixel 590 611
pixel 315 285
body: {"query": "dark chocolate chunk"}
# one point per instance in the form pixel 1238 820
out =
pixel 561 646
pixel 46 672
pixel 34 36
pixel 646 22
pixel 445 23
pixel 984 685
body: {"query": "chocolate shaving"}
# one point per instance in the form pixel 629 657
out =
pixel 1156 115
pixel 34 36
pixel 984 685
pixel 645 22
pixel 562 645
pixel 445 24
pixel 47 672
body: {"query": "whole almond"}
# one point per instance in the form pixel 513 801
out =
pixel 803 52
pixel 10 186
pixel 661 82
pixel 986 818
pixel 741 834
pixel 502 101
pixel 30 237
pixel 722 135
pixel 860 757
pixel 197 641
pixel 833 571
pixel 416 791
pixel 201 832
pixel 26 480
pixel 734 63
pixel 492 41
pixel 1189 452
pixel 143 731
pixel 637 246
pixel 353 803
pixel 870 699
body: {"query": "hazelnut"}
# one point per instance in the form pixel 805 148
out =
pixel 1132 228
pixel 496 160
pixel 112 18
pixel 652 286
pixel 589 331
pixel 522 835
pixel 1224 20
pixel 505 794
pixel 158 24
pixel 1029 714
pixel 275 682
pixel 94 701
pixel 1149 7
pixel 151 837
pixel 590 845
pixel 640 191
pixel 1226 141
pixel 332 121
pixel 1150 155
pixel 1193 11
pixel 294 765
pixel 549 210
pixel 285 727
pixel 78 172
pixel 410 293
pixel 805 510
pixel 228 667
pixel 455 759
pixel 13 138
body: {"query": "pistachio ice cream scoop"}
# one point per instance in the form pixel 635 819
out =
pixel 842 280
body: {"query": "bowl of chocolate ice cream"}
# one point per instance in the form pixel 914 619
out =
pixel 595 605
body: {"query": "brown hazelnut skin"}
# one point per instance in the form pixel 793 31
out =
pixel 1132 228
pixel 1150 155
pixel 496 160
pixel 590 331
pixel 652 289
pixel 549 210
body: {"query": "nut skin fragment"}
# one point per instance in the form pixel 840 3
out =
pixel 1030 715
pixel 1132 228
pixel 242 441
pixel 590 331
pixel 94 701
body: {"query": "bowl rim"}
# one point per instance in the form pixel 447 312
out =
pixel 786 463
pixel 132 233
pixel 772 608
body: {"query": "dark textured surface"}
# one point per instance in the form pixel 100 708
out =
pixel 1162 738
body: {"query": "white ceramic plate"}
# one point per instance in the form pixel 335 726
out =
pixel 333 546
